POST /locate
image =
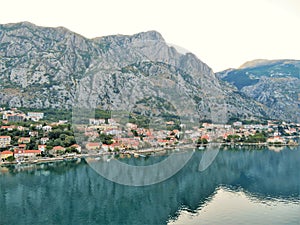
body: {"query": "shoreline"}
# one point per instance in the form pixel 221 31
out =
pixel 140 152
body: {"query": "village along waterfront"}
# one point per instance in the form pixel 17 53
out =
pixel 241 186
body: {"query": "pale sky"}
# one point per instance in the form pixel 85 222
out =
pixel 222 33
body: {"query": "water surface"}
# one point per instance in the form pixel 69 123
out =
pixel 239 187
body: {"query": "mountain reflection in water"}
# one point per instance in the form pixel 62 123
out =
pixel 73 193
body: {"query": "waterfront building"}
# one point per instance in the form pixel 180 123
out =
pixel 42 147
pixel 92 146
pixel 77 147
pixel 5 155
pixel 26 153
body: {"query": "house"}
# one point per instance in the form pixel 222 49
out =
pixel 170 123
pixel 47 128
pixel 205 136
pixel 106 147
pixel 112 122
pixel 112 146
pixel 276 140
pixel 92 146
pixel 8 128
pixel 44 140
pixel 112 131
pixel 39 126
pixel 131 126
pixel 6 154
pixel 35 116
pixel 62 121
pixel 96 121
pixel 22 146
pixel 4 141
pixel 207 125
pixel 16 117
pixel 134 145
pixel 77 147
pixel 58 148
pixel 24 140
pixel 290 131
pixel 4 121
pixel 42 147
pixel 33 133
pixel 150 139
pixel 91 133
pixel 162 142
pixel 293 130
pixel 6 114
pixel 227 126
pixel 21 128
pixel 237 124
pixel 26 153
pixel 128 142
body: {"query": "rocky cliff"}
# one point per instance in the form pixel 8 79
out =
pixel 44 67
pixel 274 83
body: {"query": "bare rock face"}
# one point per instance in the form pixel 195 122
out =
pixel 273 83
pixel 53 67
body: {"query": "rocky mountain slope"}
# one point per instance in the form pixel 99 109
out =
pixel 54 68
pixel 274 83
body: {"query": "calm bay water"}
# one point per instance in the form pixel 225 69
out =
pixel 239 187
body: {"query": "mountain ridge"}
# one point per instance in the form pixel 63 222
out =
pixel 274 83
pixel 44 67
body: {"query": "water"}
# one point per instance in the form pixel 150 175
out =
pixel 239 187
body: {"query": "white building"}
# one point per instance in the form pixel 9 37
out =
pixel 96 121
pixel 4 141
pixel 35 116
pixel 47 128
pixel 237 124
pixel 26 153
pixel 44 140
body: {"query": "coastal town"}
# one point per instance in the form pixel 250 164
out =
pixel 30 137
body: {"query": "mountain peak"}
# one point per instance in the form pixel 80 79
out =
pixel 266 62
pixel 25 23
pixel 253 63
pixel 149 35
pixel 20 24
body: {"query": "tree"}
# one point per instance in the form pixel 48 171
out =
pixel 256 138
pixel 69 140
pixel 233 138
pixel 135 133
pixel 57 142
pixel 116 149
pixel 33 143
pixel 10 158
pixel 106 138
pixel 201 141
pixel 62 137
pixel 54 134
pixel 71 149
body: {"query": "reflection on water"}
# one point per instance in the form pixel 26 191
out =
pixel 239 187
pixel 237 207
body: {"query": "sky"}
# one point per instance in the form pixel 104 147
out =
pixel 222 33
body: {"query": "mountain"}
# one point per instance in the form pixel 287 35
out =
pixel 274 83
pixel 42 67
